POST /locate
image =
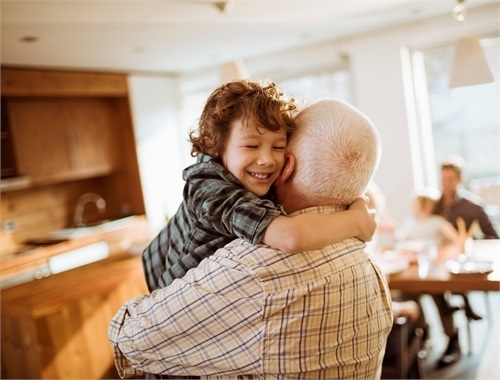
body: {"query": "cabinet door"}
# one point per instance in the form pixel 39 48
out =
pixel 40 139
pixel 62 139
pixel 90 123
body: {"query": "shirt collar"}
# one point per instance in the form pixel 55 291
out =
pixel 326 209
pixel 203 158
pixel 458 195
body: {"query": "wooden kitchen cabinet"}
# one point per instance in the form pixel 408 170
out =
pixel 62 139
pixel 56 328
pixel 66 133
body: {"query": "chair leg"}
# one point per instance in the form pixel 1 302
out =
pixel 420 365
pixel 488 306
pixel 469 335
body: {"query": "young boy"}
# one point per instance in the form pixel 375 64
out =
pixel 240 145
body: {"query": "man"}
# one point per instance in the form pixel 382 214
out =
pixel 456 202
pixel 255 311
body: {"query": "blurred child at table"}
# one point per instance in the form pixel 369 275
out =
pixel 423 225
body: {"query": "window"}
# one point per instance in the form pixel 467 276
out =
pixel 461 121
pixel 308 88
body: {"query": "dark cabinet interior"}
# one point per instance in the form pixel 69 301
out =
pixel 8 163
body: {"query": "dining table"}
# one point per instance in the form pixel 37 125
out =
pixel 450 270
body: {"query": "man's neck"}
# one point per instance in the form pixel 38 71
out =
pixel 293 201
pixel 449 198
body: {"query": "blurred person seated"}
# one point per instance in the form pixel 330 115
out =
pixel 462 209
pixel 457 202
pixel 423 224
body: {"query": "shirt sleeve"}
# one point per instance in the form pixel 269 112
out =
pixel 209 322
pixel 486 225
pixel 153 260
pixel 228 208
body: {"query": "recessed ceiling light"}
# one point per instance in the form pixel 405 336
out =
pixel 29 39
pixel 139 49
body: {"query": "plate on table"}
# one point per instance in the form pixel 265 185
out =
pixel 391 263
pixel 407 254
pixel 469 266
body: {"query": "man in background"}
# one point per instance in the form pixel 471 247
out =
pixel 253 310
pixel 456 202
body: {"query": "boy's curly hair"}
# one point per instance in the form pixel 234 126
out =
pixel 243 100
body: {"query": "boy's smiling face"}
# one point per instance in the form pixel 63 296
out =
pixel 254 156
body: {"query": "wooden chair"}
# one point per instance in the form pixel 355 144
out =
pixel 408 357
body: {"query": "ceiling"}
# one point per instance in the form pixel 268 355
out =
pixel 178 37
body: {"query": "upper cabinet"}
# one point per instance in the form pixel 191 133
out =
pixel 59 126
pixel 19 82
pixel 60 139
pixel 64 134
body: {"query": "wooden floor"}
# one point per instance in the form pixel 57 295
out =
pixel 484 361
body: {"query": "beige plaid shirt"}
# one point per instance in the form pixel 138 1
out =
pixel 252 312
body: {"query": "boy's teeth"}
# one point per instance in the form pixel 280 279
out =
pixel 259 175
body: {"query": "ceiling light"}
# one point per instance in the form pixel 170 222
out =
pixel 224 6
pixel 469 66
pixel 29 39
pixel 234 70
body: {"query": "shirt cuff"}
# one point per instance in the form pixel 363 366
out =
pixel 125 371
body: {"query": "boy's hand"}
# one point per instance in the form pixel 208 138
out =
pixel 366 219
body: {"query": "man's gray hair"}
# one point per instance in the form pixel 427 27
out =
pixel 337 150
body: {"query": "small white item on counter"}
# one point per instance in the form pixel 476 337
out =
pixel 78 257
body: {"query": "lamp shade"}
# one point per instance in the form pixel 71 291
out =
pixel 233 70
pixel 469 66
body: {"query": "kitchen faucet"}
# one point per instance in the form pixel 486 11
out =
pixel 99 201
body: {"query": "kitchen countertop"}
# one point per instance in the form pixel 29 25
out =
pixel 131 237
pixel 52 292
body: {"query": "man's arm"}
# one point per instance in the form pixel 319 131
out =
pixel 486 225
pixel 208 322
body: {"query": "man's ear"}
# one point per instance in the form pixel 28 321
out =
pixel 288 169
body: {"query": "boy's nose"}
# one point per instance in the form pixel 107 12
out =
pixel 265 158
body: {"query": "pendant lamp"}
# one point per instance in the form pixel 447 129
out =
pixel 469 66
pixel 233 70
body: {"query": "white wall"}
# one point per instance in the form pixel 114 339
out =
pixel 379 91
pixel 380 95
pixel 154 103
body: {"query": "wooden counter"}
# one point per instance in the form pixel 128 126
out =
pixel 56 327
pixel 135 232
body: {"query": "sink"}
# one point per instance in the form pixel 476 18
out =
pixel 94 228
